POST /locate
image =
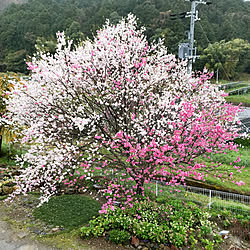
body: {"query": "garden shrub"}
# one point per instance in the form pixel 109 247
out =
pixel 175 223
pixel 228 218
pixel 243 141
pixel 119 237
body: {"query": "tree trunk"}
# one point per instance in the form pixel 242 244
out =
pixel 1 140
pixel 139 184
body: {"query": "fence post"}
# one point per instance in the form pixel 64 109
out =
pixel 246 157
pixel 156 189
pixel 210 199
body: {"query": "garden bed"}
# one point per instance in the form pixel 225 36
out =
pixel 21 215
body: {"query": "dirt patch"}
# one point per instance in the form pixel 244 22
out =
pixel 20 230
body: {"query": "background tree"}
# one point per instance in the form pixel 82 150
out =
pixel 5 127
pixel 21 25
pixel 225 56
pixel 15 61
pixel 44 45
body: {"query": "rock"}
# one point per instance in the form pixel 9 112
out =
pixel 7 190
pixel 166 248
pixel 28 247
pixel 154 246
pixel 98 187
pixel 223 232
pixel 22 235
pixel 135 241
pixel 35 230
pixel 173 248
pixel 70 191
pixel 55 229
pixel 81 191
pixel 162 246
pixel 144 248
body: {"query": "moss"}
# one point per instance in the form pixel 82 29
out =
pixel 68 211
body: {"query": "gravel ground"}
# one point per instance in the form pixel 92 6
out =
pixel 16 240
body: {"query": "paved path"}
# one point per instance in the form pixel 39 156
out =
pixel 245 113
pixel 245 119
pixel 12 240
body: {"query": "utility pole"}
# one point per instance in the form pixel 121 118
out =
pixel 187 50
pixel 194 18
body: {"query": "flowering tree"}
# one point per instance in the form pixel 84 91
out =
pixel 117 103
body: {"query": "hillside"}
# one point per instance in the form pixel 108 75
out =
pixel 36 22
pixel 5 3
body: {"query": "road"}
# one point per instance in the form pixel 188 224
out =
pixel 245 117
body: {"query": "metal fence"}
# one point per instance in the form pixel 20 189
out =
pixel 206 197
pixel 229 85
pixel 240 91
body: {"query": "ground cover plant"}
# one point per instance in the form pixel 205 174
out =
pixel 118 103
pixel 68 211
pixel 174 223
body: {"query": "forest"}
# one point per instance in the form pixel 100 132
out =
pixel 222 35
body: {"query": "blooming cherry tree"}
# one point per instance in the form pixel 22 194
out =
pixel 118 104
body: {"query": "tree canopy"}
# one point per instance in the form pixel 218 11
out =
pixel 118 103
pixel 227 56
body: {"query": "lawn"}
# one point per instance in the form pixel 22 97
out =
pixel 68 211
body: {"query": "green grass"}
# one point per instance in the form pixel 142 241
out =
pixel 168 193
pixel 241 77
pixel 239 86
pixel 238 98
pixel 245 80
pixel 3 197
pixel 226 159
pixel 68 211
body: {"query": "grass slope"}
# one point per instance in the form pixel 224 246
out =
pixel 239 98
